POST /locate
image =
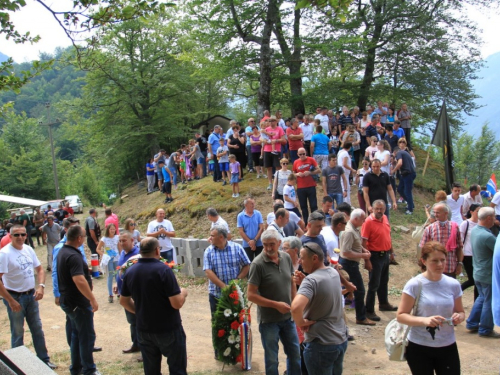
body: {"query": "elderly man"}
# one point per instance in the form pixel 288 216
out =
pixel 128 251
pixel 317 309
pixel 483 244
pixel 292 245
pixel 271 288
pixel 50 234
pixel 281 219
pixel 250 227
pixel 351 252
pixel 150 291
pixel 376 235
pixel 472 197
pixel 216 220
pixel 213 145
pixel 223 261
pixel 163 230
pixel 18 263
pixel 331 233
pixel 304 168
pixel 441 231
pixel 272 149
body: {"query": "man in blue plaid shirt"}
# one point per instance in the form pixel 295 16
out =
pixel 223 261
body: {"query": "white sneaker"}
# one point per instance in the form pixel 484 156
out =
pixel 233 195
pixel 270 187
pixel 236 195
pixel 258 175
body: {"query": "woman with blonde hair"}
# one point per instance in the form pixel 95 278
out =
pixel 131 227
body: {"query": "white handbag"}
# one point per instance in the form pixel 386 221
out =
pixel 396 334
pixel 417 236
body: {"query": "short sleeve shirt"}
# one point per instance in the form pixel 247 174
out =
pixel 165 242
pixel 250 225
pixel 52 233
pixel 377 233
pixel 304 166
pixel 277 133
pixel 274 282
pixel 18 268
pixel 333 178
pixel 71 263
pixel 297 143
pixel 377 186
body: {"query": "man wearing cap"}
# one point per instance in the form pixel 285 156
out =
pixel 213 145
pixel 271 154
pixel 159 156
pixel 18 265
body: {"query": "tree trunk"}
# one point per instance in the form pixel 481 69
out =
pixel 295 65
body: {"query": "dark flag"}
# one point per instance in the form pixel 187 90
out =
pixel 442 138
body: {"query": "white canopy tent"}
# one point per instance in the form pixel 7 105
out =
pixel 22 201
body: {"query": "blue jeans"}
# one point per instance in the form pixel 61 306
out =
pixel 133 328
pixel 324 359
pixel 337 197
pixel 82 339
pixel 111 275
pixel 379 278
pixel 352 269
pixel 174 175
pixel 285 331
pixel 217 172
pixel 29 310
pixel 169 344
pixel 481 315
pixel 305 194
pixel 405 189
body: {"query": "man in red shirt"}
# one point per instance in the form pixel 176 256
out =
pixel 376 235
pixel 304 168
pixel 70 211
pixel 295 136
pixel 111 218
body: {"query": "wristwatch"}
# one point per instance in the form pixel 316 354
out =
pixel 460 263
pixel 42 285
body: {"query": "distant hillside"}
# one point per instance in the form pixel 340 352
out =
pixel 487 87
pixel 3 57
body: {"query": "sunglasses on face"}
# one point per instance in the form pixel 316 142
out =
pixel 284 163
pixel 19 235
pixel 301 154
pixel 132 224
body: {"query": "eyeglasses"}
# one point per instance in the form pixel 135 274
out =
pixel 402 142
pixel 301 154
pixel 19 234
pixel 132 224
pixel 284 163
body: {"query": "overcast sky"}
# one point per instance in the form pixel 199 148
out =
pixel 36 19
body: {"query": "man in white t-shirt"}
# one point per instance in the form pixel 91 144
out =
pixel 323 119
pixel 344 161
pixel 18 265
pixel 215 219
pixel 163 230
pixel 331 233
pixel 455 201
pixel 495 203
pixel 472 197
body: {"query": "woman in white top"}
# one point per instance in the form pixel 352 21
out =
pixel 359 182
pixel 465 231
pixel 384 155
pixel 130 226
pixel 364 120
pixel 110 245
pixel 280 179
pixel 431 340
pixel 372 149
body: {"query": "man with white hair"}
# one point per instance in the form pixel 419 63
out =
pixel 441 231
pixel 214 217
pixel 271 288
pixel 483 244
pixel 351 252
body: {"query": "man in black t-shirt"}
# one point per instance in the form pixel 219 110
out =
pixel 202 142
pixel 150 291
pixel 61 213
pixel 77 301
pixel 376 185
pixel 408 175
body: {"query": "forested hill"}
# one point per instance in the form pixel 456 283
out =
pixel 3 57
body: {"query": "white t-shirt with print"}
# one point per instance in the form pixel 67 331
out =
pixel 165 242
pixel 282 180
pixel 18 268
pixel 110 246
pixel 289 191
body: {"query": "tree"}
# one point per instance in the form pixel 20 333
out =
pixel 86 15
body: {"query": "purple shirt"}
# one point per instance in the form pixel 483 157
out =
pixel 234 167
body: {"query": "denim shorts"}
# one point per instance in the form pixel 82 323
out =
pixel 235 178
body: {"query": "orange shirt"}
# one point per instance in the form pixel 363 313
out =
pixel 5 240
pixel 377 233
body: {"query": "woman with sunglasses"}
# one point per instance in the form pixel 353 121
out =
pixel 280 179
pixel 131 227
pixel 431 341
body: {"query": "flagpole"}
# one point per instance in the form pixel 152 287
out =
pixel 427 160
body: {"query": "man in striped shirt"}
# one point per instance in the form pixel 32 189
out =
pixel 441 231
pixel 223 261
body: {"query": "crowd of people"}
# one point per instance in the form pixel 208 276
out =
pixel 303 263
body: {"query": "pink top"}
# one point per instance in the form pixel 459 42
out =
pixel 277 133
pixel 113 219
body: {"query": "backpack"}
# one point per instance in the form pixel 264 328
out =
pixel 396 334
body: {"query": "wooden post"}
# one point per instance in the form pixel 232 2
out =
pixel 427 160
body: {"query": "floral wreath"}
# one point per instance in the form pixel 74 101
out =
pixel 134 259
pixel 231 326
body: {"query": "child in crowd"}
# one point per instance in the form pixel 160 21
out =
pixel 334 138
pixel 210 164
pixel 264 138
pixel 223 158
pixel 289 195
pixel 235 170
pixel 167 183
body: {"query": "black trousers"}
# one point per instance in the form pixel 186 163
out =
pixel 470 278
pixel 424 360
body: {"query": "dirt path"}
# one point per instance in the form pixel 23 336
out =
pixel 366 355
